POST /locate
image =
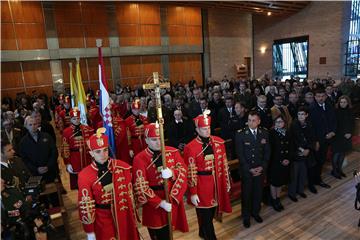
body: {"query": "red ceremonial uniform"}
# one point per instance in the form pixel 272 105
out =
pixel 108 211
pixel 75 151
pixel 57 115
pixel 149 188
pixel 121 141
pixel 94 115
pixel 149 191
pixel 58 109
pixel 122 108
pixel 63 115
pixel 135 133
pixel 64 119
pixel 212 189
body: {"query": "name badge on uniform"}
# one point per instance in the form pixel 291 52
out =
pixel 263 141
pixel 247 143
pixel 45 140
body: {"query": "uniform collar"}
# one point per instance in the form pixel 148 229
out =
pixel 94 166
pixel 199 140
pixel 149 152
pixel 5 164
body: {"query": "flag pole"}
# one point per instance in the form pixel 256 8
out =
pixel 72 92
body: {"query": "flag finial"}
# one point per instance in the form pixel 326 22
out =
pixel 100 131
pixel 98 42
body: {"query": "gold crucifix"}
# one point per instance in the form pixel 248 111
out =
pixel 157 85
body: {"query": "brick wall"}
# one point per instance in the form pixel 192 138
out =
pixel 230 40
pixel 326 24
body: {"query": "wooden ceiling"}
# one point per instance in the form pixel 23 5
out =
pixel 256 7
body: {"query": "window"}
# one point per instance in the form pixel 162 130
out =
pixel 290 57
pixel 352 65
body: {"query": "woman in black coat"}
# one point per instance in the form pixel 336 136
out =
pixel 342 141
pixel 279 165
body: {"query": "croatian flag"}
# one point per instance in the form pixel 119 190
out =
pixel 104 104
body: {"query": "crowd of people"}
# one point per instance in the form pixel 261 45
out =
pixel 281 132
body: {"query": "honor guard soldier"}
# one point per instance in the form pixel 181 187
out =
pixel 94 113
pixel 148 175
pixel 74 151
pixel 122 147
pixel 59 107
pixel 64 115
pixel 106 203
pixel 135 129
pixel 121 141
pixel 208 176
pixel 253 151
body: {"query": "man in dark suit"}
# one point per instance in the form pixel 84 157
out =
pixel 11 134
pixel 39 152
pixel 43 126
pixel 180 131
pixel 330 98
pixel 179 105
pixel 253 151
pixel 216 104
pixel 43 108
pixel 224 116
pixel 264 112
pixel 323 119
pixel 293 104
pixel 194 108
pixel 243 95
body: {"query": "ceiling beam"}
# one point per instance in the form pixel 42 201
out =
pixel 256 7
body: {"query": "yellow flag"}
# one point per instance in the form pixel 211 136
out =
pixel 81 94
pixel 73 88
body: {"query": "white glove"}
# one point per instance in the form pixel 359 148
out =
pixel 131 153
pixel 91 236
pixel 166 173
pixel 165 205
pixel 69 168
pixel 195 200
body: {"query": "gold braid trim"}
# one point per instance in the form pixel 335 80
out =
pixel 192 174
pixel 87 208
pixel 226 171
pixel 65 148
pixel 128 133
pixel 180 179
pixel 142 189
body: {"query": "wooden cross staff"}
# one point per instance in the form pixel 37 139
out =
pixel 156 85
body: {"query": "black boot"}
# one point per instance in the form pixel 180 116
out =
pixel 335 174
pixel 280 206
pixel 274 204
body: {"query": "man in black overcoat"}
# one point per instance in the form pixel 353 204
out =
pixel 323 119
